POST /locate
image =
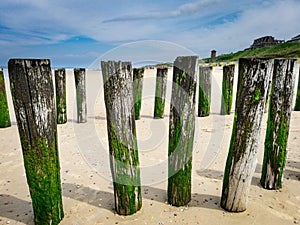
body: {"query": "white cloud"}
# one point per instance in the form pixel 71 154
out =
pixel 199 25
pixel 280 20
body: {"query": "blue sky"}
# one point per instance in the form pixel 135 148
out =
pixel 77 33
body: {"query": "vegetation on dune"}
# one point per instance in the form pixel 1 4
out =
pixel 285 50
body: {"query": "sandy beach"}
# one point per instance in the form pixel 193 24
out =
pixel 85 173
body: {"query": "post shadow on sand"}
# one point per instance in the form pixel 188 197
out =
pixel 97 198
pixel 71 121
pixel 288 173
pixel 218 175
pixel 151 117
pixel 97 117
pixel 16 209
pixel 105 200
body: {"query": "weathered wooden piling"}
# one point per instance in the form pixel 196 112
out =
pixel 4 112
pixel 227 89
pixel 61 101
pixel 138 77
pixel 253 83
pixel 205 73
pixel 270 70
pixel 34 103
pixel 297 106
pixel 79 74
pixel 123 150
pixel 281 101
pixel 181 130
pixel 160 92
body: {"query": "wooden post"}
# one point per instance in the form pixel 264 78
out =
pixel 124 159
pixel 270 70
pixel 33 98
pixel 181 130
pixel 253 83
pixel 281 101
pixel 227 89
pixel 205 74
pixel 79 74
pixel 61 103
pixel 160 92
pixel 4 112
pixel 297 106
pixel 138 75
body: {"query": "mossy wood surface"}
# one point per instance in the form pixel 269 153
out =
pixel 253 81
pixel 4 112
pixel 124 159
pixel 227 89
pixel 281 101
pixel 33 98
pixel 79 74
pixel 138 77
pixel 297 106
pixel 181 130
pixel 205 74
pixel 61 99
pixel 160 92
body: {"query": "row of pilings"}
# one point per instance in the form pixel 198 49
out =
pixel 38 111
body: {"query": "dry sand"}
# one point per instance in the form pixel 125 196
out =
pixel 85 173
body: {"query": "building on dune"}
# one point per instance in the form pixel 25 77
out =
pixel 295 39
pixel 265 41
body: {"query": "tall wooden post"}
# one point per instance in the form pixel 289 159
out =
pixel 227 89
pixel 160 92
pixel 253 83
pixel 138 77
pixel 297 106
pixel 181 130
pixel 61 102
pixel 124 159
pixel 33 98
pixel 79 74
pixel 281 101
pixel 4 112
pixel 205 74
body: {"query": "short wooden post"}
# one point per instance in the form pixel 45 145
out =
pixel 253 83
pixel 124 159
pixel 181 130
pixel 79 74
pixel 138 77
pixel 281 101
pixel 205 74
pixel 34 103
pixel 4 112
pixel 227 89
pixel 160 92
pixel 61 102
pixel 297 106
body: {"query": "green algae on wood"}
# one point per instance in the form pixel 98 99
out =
pixel 4 112
pixel 253 81
pixel 205 74
pixel 160 92
pixel 79 75
pixel 123 150
pixel 278 123
pixel 138 76
pixel 297 106
pixel 181 130
pixel 33 97
pixel 61 100
pixel 227 89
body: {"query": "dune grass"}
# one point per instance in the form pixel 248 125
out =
pixel 285 50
